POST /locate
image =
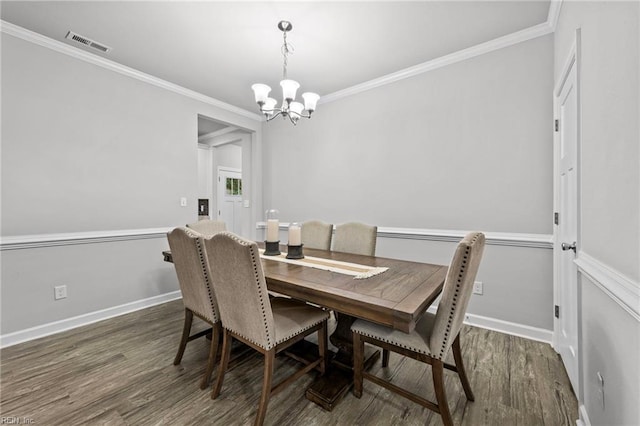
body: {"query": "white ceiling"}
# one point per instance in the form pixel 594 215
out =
pixel 220 48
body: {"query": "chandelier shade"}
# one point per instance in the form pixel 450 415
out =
pixel 289 108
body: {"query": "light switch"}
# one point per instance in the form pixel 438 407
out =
pixel 246 203
pixel 183 202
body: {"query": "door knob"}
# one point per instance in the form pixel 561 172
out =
pixel 571 246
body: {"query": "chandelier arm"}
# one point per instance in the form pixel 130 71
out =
pixel 274 115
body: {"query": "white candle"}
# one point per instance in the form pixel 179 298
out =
pixel 295 235
pixel 272 230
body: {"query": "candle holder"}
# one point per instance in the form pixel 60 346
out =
pixel 271 248
pixel 295 252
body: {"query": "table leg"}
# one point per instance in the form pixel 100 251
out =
pixel 329 389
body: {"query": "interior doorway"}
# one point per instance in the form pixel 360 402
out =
pixel 224 173
pixel 566 163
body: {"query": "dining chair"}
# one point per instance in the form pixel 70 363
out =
pixel 434 335
pixel 208 226
pixel 317 235
pixel 197 294
pixel 355 237
pixel 248 315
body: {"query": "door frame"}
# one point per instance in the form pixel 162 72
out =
pixel 573 60
pixel 220 194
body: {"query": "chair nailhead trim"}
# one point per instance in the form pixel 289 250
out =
pixel 207 279
pixel 463 270
pixel 394 343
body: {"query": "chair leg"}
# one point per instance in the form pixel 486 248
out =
pixel 385 357
pixel 358 364
pixel 269 360
pixel 213 352
pixel 457 356
pixel 437 369
pixel 322 347
pixel 226 352
pixel 186 329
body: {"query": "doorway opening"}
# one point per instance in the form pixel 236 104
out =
pixel 224 153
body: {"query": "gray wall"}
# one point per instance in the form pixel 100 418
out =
pixel 467 146
pixel 86 149
pixel 610 197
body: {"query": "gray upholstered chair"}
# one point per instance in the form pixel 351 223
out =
pixel 434 335
pixel 197 295
pixel 268 326
pixel 317 235
pixel 356 238
pixel 207 226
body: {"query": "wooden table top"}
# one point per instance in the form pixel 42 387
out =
pixel 396 298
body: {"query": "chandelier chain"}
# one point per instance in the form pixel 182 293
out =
pixel 287 49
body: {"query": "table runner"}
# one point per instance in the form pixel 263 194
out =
pixel 358 271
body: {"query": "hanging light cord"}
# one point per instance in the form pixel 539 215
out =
pixel 287 49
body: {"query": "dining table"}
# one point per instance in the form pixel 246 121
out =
pixel 391 292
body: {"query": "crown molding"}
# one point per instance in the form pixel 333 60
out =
pixel 39 39
pixel 204 138
pixel 461 55
pixel 554 14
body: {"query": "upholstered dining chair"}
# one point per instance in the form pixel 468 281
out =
pixel 197 294
pixel 208 226
pixel 357 238
pixel 248 315
pixel 434 335
pixel 317 235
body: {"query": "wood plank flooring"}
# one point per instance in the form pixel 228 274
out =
pixel 120 372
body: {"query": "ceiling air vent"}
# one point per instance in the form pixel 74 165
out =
pixel 87 42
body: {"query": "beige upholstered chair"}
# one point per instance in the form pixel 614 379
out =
pixel 268 326
pixel 197 296
pixel 433 336
pixel 208 227
pixel 317 235
pixel 356 238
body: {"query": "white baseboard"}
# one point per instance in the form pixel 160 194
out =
pixel 21 336
pixel 511 328
pixel 583 418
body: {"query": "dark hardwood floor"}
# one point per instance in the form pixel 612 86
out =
pixel 120 372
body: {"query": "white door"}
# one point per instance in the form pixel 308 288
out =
pixel 230 198
pixel 566 327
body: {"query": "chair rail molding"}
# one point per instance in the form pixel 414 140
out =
pixel 52 240
pixel 623 290
pixel 513 239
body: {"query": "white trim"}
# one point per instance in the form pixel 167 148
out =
pixel 554 14
pixel 507 327
pixel 492 238
pixel 583 417
pixel 39 39
pixel 39 331
pixel 204 138
pixel 51 240
pixel 623 290
pixel 461 55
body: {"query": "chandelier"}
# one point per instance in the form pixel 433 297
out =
pixel 289 108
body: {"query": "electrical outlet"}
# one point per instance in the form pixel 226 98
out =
pixel 60 292
pixel 477 287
